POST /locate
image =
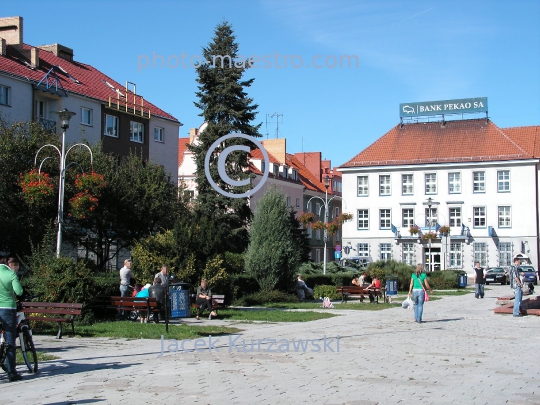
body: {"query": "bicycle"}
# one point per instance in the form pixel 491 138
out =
pixel 26 343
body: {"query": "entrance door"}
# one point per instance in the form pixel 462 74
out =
pixel 432 261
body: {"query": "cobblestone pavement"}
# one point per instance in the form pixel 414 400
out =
pixel 462 354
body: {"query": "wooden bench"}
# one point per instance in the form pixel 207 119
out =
pixel 347 291
pixel 218 301
pixel 142 304
pixel 52 308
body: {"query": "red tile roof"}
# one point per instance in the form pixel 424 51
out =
pixel 526 137
pixel 91 81
pixel 458 141
pixel 309 181
pixel 182 147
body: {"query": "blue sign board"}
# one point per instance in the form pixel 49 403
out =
pixel 337 254
pixel 443 107
pixel 180 305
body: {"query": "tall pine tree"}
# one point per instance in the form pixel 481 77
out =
pixel 226 108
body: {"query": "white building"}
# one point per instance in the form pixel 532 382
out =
pixel 482 181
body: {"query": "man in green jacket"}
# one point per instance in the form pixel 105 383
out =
pixel 9 287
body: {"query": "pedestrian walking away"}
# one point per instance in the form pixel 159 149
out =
pixel 418 292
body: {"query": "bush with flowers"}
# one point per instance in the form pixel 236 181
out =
pixel 86 200
pixel 344 217
pixel 306 217
pixel 318 225
pixel 414 229
pixel 429 236
pixel 91 183
pixel 37 187
pixel 444 230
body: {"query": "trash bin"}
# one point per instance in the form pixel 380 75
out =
pixel 463 280
pixel 391 285
pixel 180 300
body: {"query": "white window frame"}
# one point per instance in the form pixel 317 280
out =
pixel 479 182
pixel 479 217
pixel 384 185
pixel 159 134
pixel 294 174
pixel 136 132
pixel 505 216
pixel 505 253
pixel 5 95
pixel 309 231
pixel 385 218
pixel 481 253
pixel 456 255
pixel 289 201
pixel 385 251
pixel 86 116
pixel 297 202
pixel 454 213
pixel 362 249
pixel 431 183
pixel 116 123
pixel 318 210
pixel 408 254
pixel 407 184
pixel 363 186
pixel 407 215
pixel 503 181
pixel 431 215
pixel 454 183
pixel 363 219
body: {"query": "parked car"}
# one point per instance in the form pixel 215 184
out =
pixel 497 275
pixel 530 275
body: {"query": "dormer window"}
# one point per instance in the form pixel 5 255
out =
pixel 294 174
pixel 263 165
pixel 276 170
pixel 285 172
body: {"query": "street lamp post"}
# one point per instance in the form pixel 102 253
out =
pixel 429 201
pixel 65 116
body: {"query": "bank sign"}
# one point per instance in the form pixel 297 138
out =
pixel 427 108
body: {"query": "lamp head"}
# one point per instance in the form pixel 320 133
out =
pixel 326 181
pixel 65 115
pixel 429 201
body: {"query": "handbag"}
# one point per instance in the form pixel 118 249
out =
pixel 426 297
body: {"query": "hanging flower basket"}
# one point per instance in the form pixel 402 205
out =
pixel 429 236
pixel 90 183
pixel 414 229
pixel 344 217
pixel 82 204
pixel 306 218
pixel 318 225
pixel 37 188
pixel 444 230
pixel 332 228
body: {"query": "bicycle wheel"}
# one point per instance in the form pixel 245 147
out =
pixel 29 351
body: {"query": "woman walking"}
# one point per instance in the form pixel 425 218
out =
pixel 417 290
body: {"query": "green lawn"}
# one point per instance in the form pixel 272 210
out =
pixel 276 315
pixel 40 355
pixel 352 304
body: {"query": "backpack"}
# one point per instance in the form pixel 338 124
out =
pixel 327 303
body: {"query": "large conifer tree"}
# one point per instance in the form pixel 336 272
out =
pixel 226 108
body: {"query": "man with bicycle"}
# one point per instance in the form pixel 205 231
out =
pixel 9 288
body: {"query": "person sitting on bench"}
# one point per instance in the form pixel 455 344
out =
pixel 355 281
pixel 304 292
pixel 375 283
pixel 204 299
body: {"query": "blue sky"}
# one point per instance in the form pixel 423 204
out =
pixel 407 51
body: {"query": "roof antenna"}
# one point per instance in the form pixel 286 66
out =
pixel 277 115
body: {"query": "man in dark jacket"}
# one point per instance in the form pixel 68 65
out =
pixel 479 280
pixel 158 292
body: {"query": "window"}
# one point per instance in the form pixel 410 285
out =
pixel 431 183
pixel 480 253
pixel 111 126
pixel 479 217
pixel 384 184
pixel 362 186
pixel 5 93
pixel 455 216
pixel 289 200
pixel 336 186
pixel 158 134
pixel 285 172
pixel 505 220
pixel 297 202
pixel 363 249
pixel 318 209
pixel 86 116
pixel 318 234
pixel 136 132
pixel 456 255
pixel 384 215
pixel 309 231
pixel 336 212
pixel 408 255
pixel 295 175
pixel 505 254
pixel 503 181
pixel 363 219
pixel 318 255
pixel 407 184
pixel 454 183
pixel 408 217
pixel 385 251
pixel 431 217
pixel 479 184
pixel 309 207
pixel 276 170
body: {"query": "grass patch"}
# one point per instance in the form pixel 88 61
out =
pixel 450 293
pixel 318 305
pixel 19 359
pixel 269 315
pixel 135 330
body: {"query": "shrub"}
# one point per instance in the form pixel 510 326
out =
pixel 401 270
pixel 326 291
pixel 264 297
pixel 234 262
pixel 444 279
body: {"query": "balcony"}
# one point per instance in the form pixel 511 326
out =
pixel 48 125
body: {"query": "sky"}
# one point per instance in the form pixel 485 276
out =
pixel 400 52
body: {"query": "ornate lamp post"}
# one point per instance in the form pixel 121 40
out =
pixel 65 117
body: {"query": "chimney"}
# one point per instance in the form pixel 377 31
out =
pixel 277 147
pixel 11 29
pixel 34 57
pixel 192 135
pixel 2 47
pixel 59 50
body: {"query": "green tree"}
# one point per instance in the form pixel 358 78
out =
pixel 226 108
pixel 273 255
